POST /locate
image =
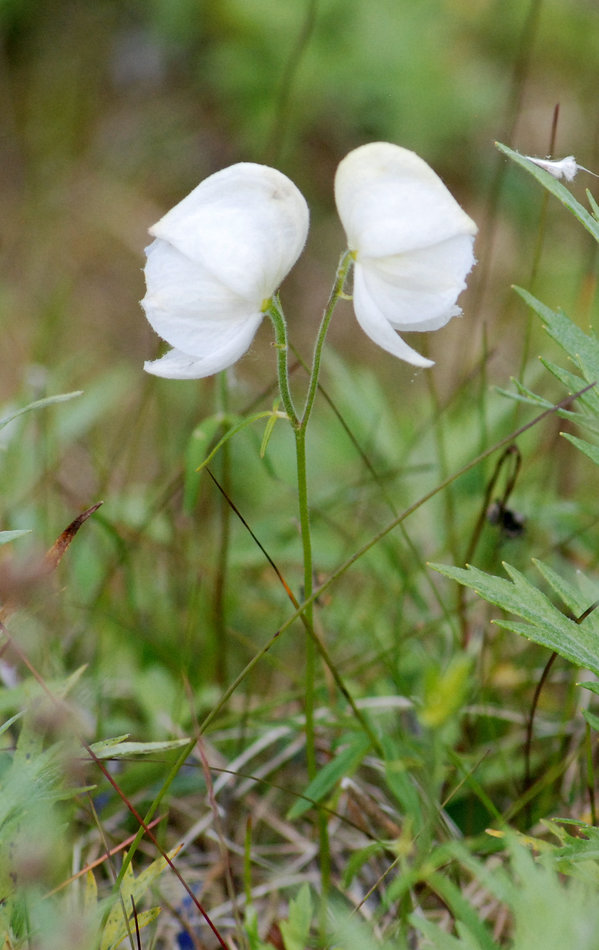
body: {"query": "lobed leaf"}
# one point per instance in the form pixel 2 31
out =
pixel 544 623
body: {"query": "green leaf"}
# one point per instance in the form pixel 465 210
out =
pixel 468 923
pixel 120 921
pixel 9 722
pixel 268 431
pixel 39 404
pixel 544 623
pixel 444 692
pixel 556 188
pixel 198 445
pixel 590 450
pixel 524 395
pixel 439 939
pixel 593 686
pixel 593 204
pixel 592 719
pixel 357 859
pixel 400 778
pixel 250 923
pixel 243 424
pixel 344 763
pixel 113 748
pixel 7 536
pixel 582 347
pixel 296 930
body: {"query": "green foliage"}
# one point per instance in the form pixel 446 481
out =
pixel 123 918
pixel 546 910
pixel 342 765
pixel 556 188
pixel 296 930
pixel 544 623
pixel 165 605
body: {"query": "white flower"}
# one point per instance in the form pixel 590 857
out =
pixel 217 258
pixel 412 244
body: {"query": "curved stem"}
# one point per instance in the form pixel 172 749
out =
pixel 277 318
pixel 345 262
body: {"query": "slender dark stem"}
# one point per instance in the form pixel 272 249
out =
pixel 529 728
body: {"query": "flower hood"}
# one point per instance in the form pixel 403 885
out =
pixel 412 244
pixel 217 258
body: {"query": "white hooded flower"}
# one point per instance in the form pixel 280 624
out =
pixel 412 244
pixel 217 258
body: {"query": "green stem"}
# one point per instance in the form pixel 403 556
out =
pixel 300 427
pixel 219 601
pixel 304 514
pixel 343 267
pixel 277 318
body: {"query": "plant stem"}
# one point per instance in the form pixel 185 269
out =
pixel 304 514
pixel 222 568
pixel 343 267
pixel 300 427
pixel 277 318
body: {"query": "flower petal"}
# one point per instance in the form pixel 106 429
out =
pixel 187 306
pixel 179 365
pixel 420 287
pixel 390 201
pixel 376 325
pixel 246 225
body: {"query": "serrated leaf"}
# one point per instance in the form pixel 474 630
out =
pixel 296 930
pixel 581 346
pixel 570 596
pixel 587 405
pixel 545 624
pixel 587 448
pixel 343 764
pixel 593 686
pixel 524 395
pixel 250 923
pixel 556 188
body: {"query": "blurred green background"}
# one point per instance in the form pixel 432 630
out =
pixel 112 111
